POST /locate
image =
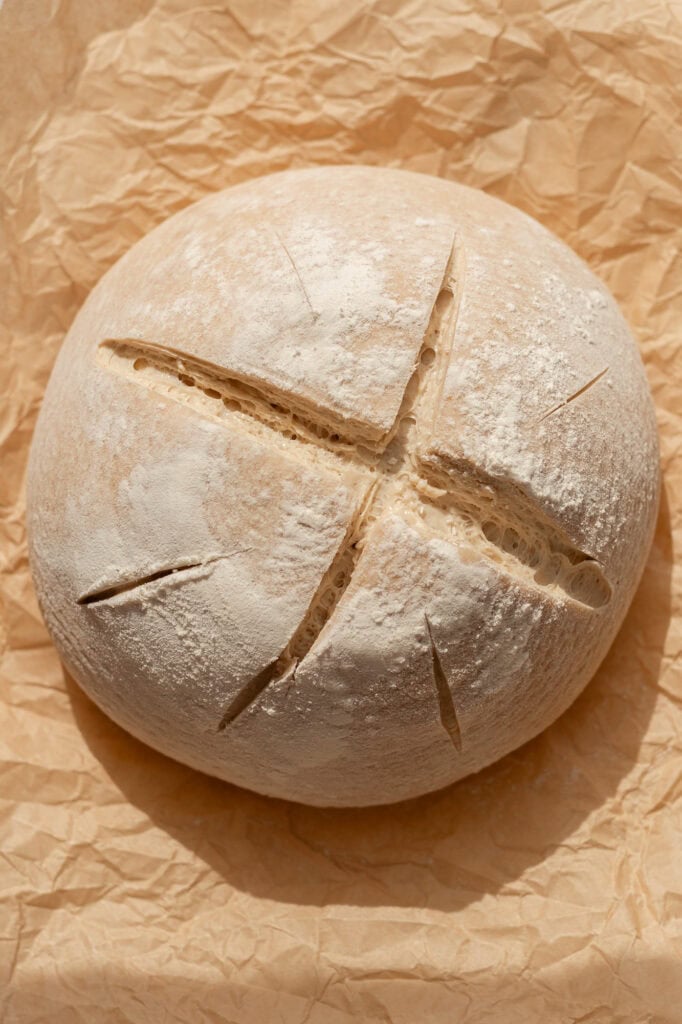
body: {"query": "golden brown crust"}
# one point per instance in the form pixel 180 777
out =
pixel 302 524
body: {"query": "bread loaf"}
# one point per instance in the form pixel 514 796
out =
pixel 342 485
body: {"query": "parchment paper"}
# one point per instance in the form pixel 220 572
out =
pixel 549 887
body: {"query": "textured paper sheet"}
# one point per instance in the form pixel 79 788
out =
pixel 134 890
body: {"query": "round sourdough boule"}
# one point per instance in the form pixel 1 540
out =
pixel 342 485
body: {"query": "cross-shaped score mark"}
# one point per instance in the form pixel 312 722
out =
pixel 396 478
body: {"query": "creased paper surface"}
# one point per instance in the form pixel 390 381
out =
pixel 547 888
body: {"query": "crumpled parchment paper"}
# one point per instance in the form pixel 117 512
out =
pixel 549 887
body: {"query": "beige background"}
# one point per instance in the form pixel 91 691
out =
pixel 548 888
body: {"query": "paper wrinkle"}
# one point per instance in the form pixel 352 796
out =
pixel 547 888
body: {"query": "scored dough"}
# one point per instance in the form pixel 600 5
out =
pixel 342 485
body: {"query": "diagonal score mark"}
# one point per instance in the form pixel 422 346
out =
pixel 446 705
pixel 317 615
pixel 253 689
pixel 106 593
pixel 315 314
pixel 576 394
